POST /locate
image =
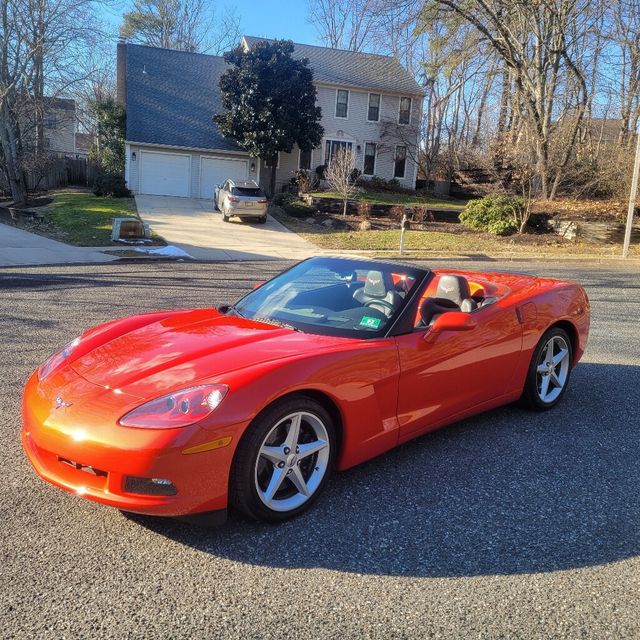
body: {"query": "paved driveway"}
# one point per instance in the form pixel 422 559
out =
pixel 507 525
pixel 193 226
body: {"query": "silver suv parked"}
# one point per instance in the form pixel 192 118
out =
pixel 241 199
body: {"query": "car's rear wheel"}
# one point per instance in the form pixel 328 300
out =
pixel 549 371
pixel 262 220
pixel 225 217
pixel 284 460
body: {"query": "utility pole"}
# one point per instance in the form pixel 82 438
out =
pixel 632 199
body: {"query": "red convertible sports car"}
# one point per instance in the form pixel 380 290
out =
pixel 335 361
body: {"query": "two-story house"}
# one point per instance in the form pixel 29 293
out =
pixel 370 105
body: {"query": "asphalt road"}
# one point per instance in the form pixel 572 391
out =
pixel 507 525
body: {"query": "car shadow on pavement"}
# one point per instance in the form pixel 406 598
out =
pixel 506 492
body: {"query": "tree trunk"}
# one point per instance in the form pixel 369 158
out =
pixel 8 141
pixel 344 208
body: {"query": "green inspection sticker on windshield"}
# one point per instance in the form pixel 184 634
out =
pixel 370 323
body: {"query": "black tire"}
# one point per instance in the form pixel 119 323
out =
pixel 215 203
pixel 246 467
pixel 225 217
pixel 262 220
pixel 531 396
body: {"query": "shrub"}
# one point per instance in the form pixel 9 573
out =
pixel 298 209
pixel 355 175
pixel 283 198
pixel 111 184
pixel 321 171
pixel 302 179
pixel 494 214
pixel 377 183
pixel 396 213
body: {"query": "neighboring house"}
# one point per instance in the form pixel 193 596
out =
pixel 59 128
pixel 370 105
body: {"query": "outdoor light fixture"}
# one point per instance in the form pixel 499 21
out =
pixel 133 156
pixel 358 148
pixel 253 167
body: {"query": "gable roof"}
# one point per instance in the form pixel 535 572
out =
pixel 172 96
pixel 353 69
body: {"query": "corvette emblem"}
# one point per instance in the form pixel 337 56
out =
pixel 61 402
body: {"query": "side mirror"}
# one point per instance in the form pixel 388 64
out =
pixel 258 284
pixel 453 321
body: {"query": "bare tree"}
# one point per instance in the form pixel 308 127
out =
pixel 339 174
pixel 45 47
pixel 344 24
pixel 186 25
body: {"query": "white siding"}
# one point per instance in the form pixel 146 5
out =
pixel 358 130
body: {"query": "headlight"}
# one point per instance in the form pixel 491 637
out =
pixel 178 409
pixel 57 359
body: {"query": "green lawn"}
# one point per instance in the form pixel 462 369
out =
pixel 405 199
pixel 460 241
pixel 85 220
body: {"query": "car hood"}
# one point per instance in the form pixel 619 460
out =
pixel 186 348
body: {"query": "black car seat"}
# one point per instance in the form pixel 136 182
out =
pixel 379 292
pixel 452 294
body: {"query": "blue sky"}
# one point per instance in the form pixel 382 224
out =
pixel 268 18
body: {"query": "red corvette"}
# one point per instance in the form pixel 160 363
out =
pixel 333 362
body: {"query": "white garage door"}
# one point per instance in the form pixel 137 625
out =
pixel 214 171
pixel 165 174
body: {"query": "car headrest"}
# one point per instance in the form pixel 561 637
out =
pixel 454 288
pixel 375 285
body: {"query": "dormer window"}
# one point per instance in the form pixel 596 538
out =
pixel 404 116
pixel 342 103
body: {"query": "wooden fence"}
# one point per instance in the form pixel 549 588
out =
pixel 63 172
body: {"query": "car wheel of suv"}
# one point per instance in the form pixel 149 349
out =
pixel 262 220
pixel 225 217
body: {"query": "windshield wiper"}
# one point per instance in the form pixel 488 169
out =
pixel 277 323
pixel 225 308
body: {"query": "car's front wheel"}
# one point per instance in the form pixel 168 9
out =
pixel 284 460
pixel 549 370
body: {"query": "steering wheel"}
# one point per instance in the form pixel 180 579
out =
pixel 384 303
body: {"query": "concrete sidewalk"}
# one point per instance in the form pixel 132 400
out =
pixel 19 247
pixel 196 228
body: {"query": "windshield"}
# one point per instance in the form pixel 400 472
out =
pixel 333 296
pixel 248 192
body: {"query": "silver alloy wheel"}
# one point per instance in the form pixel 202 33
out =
pixel 292 461
pixel 552 369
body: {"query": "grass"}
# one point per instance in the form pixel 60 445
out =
pixel 406 199
pixel 85 220
pixel 458 241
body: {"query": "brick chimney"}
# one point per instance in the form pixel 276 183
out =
pixel 121 73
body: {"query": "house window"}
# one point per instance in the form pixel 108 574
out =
pixel 342 103
pixel 404 117
pixel 400 162
pixel 369 159
pixel 304 160
pixel 373 114
pixel 332 147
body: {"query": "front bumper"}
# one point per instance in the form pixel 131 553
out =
pixel 80 453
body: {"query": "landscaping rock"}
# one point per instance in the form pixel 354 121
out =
pixel 365 225
pixel 328 224
pixel 310 220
